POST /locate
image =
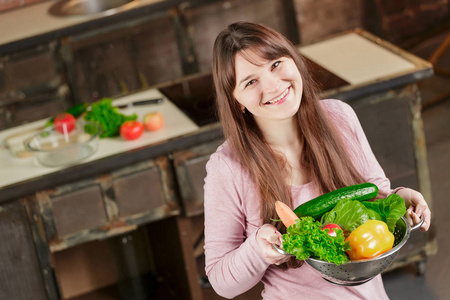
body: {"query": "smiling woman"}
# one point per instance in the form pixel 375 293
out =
pixel 282 144
pixel 269 89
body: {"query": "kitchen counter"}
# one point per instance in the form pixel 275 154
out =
pixel 31 25
pixel 380 66
pixel 15 171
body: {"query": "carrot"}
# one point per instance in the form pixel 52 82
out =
pixel 285 213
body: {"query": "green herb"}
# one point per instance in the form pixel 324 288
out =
pixel 306 239
pixel 390 209
pixel 107 117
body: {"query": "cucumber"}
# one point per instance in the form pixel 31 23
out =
pixel 318 206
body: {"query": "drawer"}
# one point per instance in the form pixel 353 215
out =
pixel 145 190
pixel 108 205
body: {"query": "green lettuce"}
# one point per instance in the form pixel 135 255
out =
pixel 390 209
pixel 349 215
pixel 306 239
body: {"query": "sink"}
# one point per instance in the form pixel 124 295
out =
pixel 65 8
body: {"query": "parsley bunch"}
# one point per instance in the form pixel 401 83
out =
pixel 107 117
pixel 306 239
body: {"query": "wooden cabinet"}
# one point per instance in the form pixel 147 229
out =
pixel 20 269
pixel 32 85
pixel 107 205
pixel 190 171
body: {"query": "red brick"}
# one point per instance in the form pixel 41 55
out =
pixel 9 4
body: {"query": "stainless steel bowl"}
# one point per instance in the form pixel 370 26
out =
pixel 54 149
pixel 64 8
pixel 358 272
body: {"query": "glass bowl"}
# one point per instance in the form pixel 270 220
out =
pixel 55 149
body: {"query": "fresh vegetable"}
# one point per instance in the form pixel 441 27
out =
pixel 287 216
pixel 75 111
pixel 330 229
pixel 349 215
pixel 64 123
pixel 131 130
pixel 107 117
pixel 390 209
pixel 369 240
pixel 318 206
pixel 306 239
pixel 153 121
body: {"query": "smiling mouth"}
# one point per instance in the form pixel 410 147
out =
pixel 279 97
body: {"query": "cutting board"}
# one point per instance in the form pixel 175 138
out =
pixel 176 123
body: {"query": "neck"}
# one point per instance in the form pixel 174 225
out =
pixel 281 134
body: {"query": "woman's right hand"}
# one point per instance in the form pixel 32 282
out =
pixel 265 237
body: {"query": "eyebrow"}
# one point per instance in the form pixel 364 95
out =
pixel 245 79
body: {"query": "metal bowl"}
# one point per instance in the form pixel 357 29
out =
pixel 358 272
pixel 54 149
pixel 65 8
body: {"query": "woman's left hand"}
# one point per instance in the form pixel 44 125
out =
pixel 416 207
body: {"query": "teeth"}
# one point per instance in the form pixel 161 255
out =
pixel 279 98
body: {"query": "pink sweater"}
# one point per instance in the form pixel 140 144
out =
pixel 234 263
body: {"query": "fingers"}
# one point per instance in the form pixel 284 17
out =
pixel 266 236
pixel 415 214
pixel 418 208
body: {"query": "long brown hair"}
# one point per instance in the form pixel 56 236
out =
pixel 323 158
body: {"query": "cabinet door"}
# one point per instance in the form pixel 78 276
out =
pixel 20 272
pixel 384 118
pixel 109 204
pixel 32 85
pixel 191 172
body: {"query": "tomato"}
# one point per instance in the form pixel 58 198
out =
pixel 64 123
pixel 331 228
pixel 153 121
pixel 131 130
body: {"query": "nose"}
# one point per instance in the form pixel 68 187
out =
pixel 271 83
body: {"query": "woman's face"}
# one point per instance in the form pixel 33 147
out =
pixel 270 90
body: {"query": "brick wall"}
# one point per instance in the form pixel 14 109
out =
pixel 318 19
pixel 404 21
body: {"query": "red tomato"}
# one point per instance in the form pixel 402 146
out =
pixel 64 123
pixel 331 228
pixel 131 130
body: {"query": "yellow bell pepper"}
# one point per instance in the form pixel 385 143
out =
pixel 369 240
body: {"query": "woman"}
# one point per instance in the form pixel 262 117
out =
pixel 281 144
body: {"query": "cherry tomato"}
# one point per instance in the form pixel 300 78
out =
pixel 331 228
pixel 64 123
pixel 131 130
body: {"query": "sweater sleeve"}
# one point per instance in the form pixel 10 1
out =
pixel 234 263
pixel 366 161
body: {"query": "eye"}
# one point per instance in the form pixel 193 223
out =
pixel 276 64
pixel 250 82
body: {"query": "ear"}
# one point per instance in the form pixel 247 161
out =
pixel 242 108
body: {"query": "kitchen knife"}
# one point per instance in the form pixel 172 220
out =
pixel 141 102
